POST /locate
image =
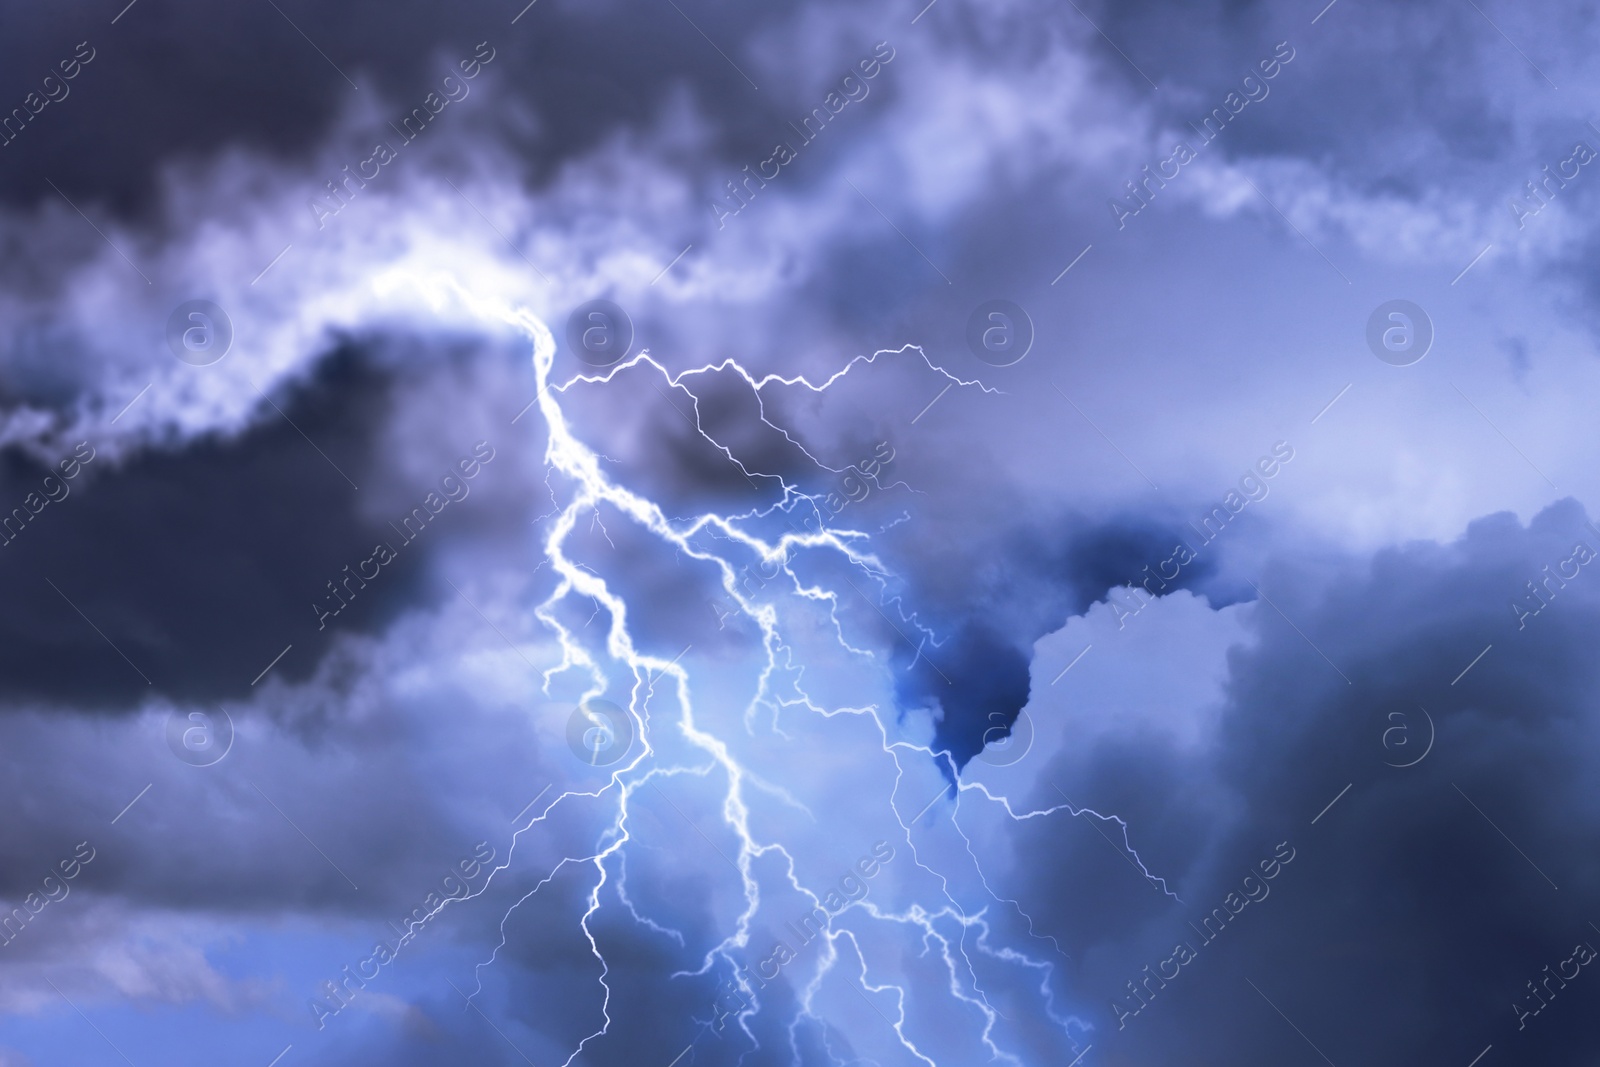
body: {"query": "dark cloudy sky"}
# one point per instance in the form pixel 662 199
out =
pixel 1086 505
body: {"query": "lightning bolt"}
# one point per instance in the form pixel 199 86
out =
pixel 948 933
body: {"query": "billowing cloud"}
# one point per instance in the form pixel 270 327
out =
pixel 787 682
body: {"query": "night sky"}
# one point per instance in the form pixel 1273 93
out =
pixel 674 533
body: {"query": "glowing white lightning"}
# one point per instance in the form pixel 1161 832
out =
pixel 946 927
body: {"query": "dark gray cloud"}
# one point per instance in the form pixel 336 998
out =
pixel 213 560
pixel 1018 503
pixel 274 82
pixel 988 619
pixel 1477 836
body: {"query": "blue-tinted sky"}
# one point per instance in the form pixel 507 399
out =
pixel 1067 539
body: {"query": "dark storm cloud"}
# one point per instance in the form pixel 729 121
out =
pixel 701 446
pixel 170 83
pixel 199 566
pixel 350 796
pixel 1404 876
pixel 989 616
pixel 202 562
pixel 551 979
pixel 1391 74
pixel 977 680
pixel 674 601
pixel 547 978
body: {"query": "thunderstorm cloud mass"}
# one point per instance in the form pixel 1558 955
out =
pixel 675 533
